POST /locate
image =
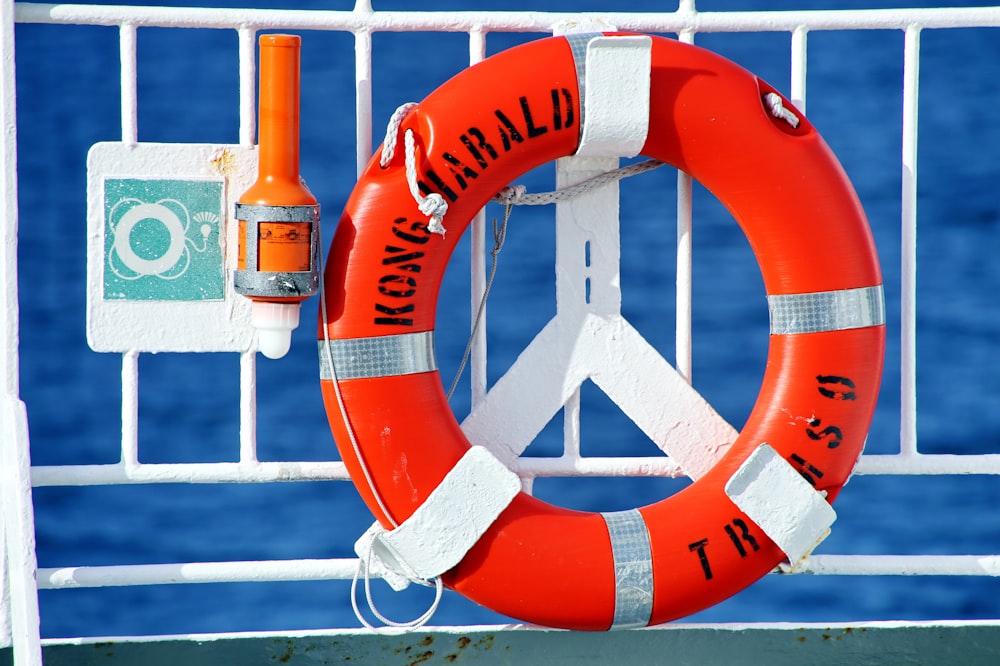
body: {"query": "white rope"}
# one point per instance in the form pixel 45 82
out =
pixel 364 564
pixel 392 131
pixel 515 195
pixel 351 435
pixel 364 568
pixel 433 205
pixel 778 110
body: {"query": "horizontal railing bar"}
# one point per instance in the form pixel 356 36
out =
pixel 197 572
pixel 266 472
pixel 506 21
pixel 901 565
pixel 345 569
pixel 919 464
pixel 257 472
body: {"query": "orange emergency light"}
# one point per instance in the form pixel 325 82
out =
pixel 278 262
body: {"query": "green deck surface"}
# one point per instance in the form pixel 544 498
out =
pixel 878 643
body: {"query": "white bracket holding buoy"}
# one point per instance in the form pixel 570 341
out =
pixel 783 504
pixel 446 526
pixel 589 338
pixel 616 96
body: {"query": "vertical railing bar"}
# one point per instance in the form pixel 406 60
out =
pixel 685 214
pixel 248 131
pixel 130 409
pixel 6 603
pixel 908 268
pixel 248 407
pixel 129 95
pixel 19 616
pixel 247 85
pixel 799 66
pixel 9 326
pixel 571 423
pixel 477 369
pixel 363 96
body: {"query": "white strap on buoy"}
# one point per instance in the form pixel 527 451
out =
pixel 442 529
pixel 783 504
pixel 616 96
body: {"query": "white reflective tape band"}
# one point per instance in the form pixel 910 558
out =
pixel 382 356
pixel 781 503
pixel 633 568
pixel 826 310
pixel 614 95
pixel 449 522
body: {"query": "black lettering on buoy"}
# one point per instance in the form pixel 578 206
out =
pixel 415 226
pixel 526 112
pixel 699 547
pixel 459 170
pixel 481 145
pixel 836 394
pixel 405 260
pixel 744 536
pixel 809 472
pixel 508 132
pixel 559 120
pixel 398 255
pixel 394 320
pixel 406 280
pixel 835 435
pixel 436 179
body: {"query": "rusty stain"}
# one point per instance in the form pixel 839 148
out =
pixel 287 656
pixel 427 640
pixel 450 658
pixel 463 642
pixel 422 658
pixel 485 643
pixel 801 639
pixel 224 162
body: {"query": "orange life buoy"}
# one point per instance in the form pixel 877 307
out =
pixel 477 133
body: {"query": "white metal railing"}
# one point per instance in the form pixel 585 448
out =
pixel 18 615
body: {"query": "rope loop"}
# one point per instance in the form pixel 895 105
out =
pixel 392 132
pixel 364 569
pixel 433 205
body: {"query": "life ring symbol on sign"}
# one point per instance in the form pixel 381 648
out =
pixel 386 405
pixel 169 260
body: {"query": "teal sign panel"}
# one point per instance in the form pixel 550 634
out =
pixel 162 240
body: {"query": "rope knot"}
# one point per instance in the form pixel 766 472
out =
pixel 778 110
pixel 434 206
pixel 510 194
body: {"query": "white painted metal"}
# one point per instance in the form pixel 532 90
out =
pixel 617 68
pixel 19 621
pixel 577 316
pixel 222 324
pixel 196 572
pixel 908 286
pixel 363 18
pixel 781 503
pixel 439 532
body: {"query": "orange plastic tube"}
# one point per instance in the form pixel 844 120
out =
pixel 278 258
pixel 282 246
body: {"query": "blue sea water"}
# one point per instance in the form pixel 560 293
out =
pixel 68 100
